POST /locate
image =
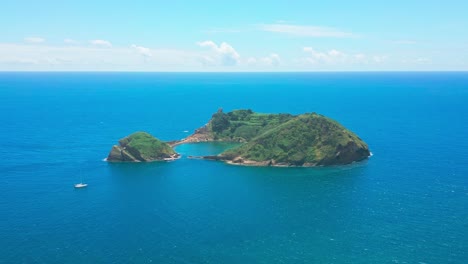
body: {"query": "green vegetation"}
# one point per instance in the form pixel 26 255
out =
pixel 141 146
pixel 308 139
pixel 219 122
pixel 268 140
pixel 243 125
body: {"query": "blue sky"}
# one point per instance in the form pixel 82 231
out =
pixel 233 36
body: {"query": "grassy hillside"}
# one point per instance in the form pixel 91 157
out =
pixel 141 146
pixel 243 125
pixel 308 139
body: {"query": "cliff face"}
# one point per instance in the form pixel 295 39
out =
pixel 141 147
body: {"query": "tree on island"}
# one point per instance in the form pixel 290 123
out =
pixel 219 121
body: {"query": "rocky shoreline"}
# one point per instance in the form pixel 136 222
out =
pixel 271 163
pixel 200 135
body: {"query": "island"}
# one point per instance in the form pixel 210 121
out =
pixel 281 140
pixel 141 147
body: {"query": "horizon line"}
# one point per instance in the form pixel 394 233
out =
pixel 319 71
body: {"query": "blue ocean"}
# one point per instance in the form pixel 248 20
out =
pixel 408 203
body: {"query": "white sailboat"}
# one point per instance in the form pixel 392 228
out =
pixel 81 184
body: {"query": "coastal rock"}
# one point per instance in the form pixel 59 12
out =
pixel 141 147
pixel 115 153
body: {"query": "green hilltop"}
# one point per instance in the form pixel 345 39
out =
pixel 305 140
pixel 281 139
pixel 242 125
pixel 141 146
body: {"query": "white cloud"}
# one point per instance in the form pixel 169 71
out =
pixel 423 60
pixel 418 60
pixel 305 31
pixel 404 42
pixel 145 52
pixel 271 60
pixel 225 54
pixel 207 60
pixel 379 59
pixel 101 43
pixel 34 40
pixel 359 57
pixel 207 43
pixel 328 57
pixel 336 57
pixel 70 41
pixel 251 61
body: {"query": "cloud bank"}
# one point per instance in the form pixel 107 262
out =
pixel 336 57
pixel 101 43
pixel 34 40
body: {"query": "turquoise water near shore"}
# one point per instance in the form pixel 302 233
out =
pixel 407 204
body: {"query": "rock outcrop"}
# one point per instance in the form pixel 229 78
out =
pixel 141 147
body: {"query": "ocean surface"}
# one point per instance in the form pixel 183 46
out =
pixel 407 204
